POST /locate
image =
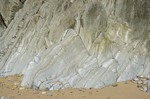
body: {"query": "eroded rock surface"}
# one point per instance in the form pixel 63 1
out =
pixel 8 9
pixel 2 26
pixel 77 43
pixel 149 86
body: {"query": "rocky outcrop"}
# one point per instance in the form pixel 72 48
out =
pixel 8 8
pixel 77 43
pixel 149 86
pixel 2 25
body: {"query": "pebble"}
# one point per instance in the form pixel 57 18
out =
pixel 43 92
pixel 140 88
pixel 145 88
pixel 16 83
pixel 136 79
pixel 139 82
pixel 145 82
pixel 71 1
pixel 21 88
pixel 3 97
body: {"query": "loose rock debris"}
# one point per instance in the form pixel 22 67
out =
pixel 142 82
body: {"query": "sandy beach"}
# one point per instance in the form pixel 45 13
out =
pixel 10 89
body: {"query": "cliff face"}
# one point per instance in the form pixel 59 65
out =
pixel 8 8
pixel 76 43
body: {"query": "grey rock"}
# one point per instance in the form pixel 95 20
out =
pixel 57 44
pixel 8 9
pixel 145 82
pixel 149 86
pixel 139 82
pixel 3 97
pixel 136 79
pixel 143 88
pixel 2 28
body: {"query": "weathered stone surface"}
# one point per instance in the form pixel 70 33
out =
pixel 8 8
pixel 149 85
pixel 2 26
pixel 79 43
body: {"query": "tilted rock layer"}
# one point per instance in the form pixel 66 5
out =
pixel 76 43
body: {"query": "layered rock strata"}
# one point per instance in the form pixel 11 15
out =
pixel 57 44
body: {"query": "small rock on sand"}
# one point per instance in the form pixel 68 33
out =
pixel 21 88
pixel 43 92
pixel 3 97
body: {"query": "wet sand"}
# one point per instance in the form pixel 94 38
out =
pixel 11 89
